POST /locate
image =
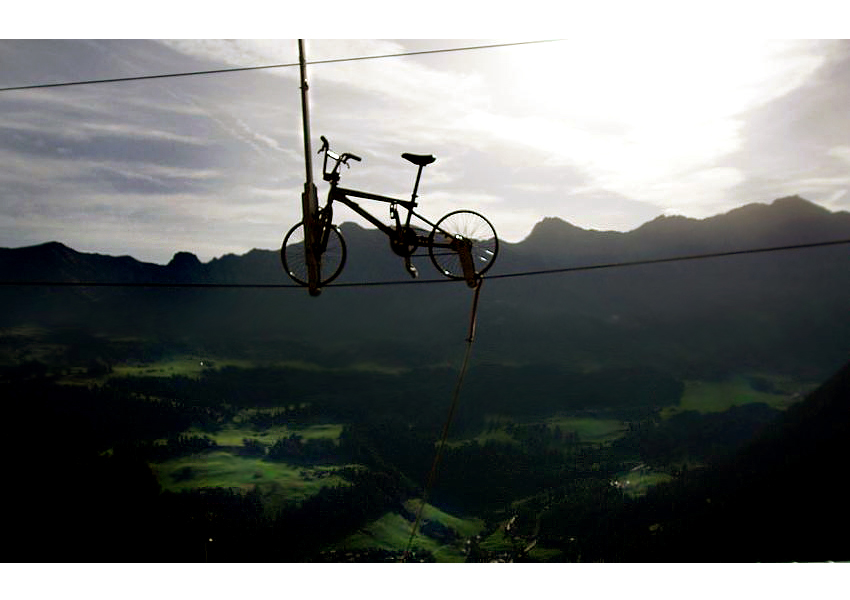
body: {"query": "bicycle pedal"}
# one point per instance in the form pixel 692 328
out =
pixel 412 270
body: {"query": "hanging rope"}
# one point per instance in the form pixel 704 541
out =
pixel 455 397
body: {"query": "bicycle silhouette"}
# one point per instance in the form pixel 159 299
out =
pixel 462 244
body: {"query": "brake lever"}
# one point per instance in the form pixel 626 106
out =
pixel 348 155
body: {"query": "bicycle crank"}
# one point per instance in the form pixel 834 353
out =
pixel 404 242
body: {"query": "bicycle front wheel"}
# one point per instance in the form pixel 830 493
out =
pixel 293 256
pixel 466 225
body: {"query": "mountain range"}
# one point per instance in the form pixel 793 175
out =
pixel 773 311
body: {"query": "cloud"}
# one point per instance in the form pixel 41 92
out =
pixel 89 131
pixel 603 134
pixel 154 226
pixel 239 53
pixel 386 99
pixel 834 201
pixel 840 152
pixel 649 120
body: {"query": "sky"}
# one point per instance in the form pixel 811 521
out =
pixel 605 132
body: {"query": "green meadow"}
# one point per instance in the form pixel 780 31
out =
pixel 222 469
pixel 465 527
pixel 719 396
pixel 636 483
pixel 589 429
pixel 392 532
pixel 232 434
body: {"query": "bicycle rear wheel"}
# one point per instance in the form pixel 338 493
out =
pixel 293 256
pixel 467 225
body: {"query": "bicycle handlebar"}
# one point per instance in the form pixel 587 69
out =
pixel 342 157
pixel 339 159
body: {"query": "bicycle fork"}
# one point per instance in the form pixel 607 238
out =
pixel 463 247
pixel 325 221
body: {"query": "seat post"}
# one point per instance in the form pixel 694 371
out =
pixel 420 160
pixel 416 185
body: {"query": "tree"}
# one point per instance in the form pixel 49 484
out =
pixel 251 447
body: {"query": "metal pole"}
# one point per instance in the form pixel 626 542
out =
pixel 309 200
pixel 305 113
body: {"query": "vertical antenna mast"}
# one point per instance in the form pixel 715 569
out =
pixel 309 200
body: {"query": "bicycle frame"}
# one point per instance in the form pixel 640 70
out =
pixel 343 195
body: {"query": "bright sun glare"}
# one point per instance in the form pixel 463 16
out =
pixel 630 111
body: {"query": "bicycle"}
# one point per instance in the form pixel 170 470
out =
pixel 462 245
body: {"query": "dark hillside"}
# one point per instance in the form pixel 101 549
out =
pixel 778 500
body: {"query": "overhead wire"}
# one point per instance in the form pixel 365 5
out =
pixel 38 86
pixel 529 273
pixel 653 261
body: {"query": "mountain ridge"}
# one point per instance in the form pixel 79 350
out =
pixel 549 230
pixel 773 310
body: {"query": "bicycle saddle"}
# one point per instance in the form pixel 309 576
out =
pixel 419 159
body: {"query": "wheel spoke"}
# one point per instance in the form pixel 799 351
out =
pixel 470 226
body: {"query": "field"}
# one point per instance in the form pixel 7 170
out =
pixel 233 434
pixel 637 482
pixel 589 429
pixel 180 365
pixel 500 542
pixel 226 468
pixel 222 469
pixel 465 527
pixel 719 396
pixel 392 532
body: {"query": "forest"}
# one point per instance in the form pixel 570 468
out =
pixel 110 466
